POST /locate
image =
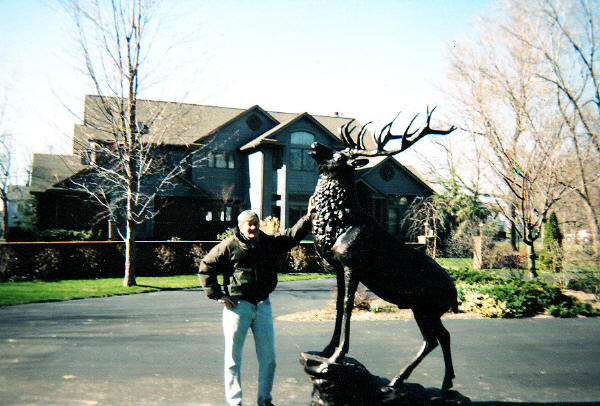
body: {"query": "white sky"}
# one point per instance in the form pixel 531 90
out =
pixel 365 59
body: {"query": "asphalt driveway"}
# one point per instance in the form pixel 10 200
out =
pixel 166 348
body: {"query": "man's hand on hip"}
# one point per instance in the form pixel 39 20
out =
pixel 228 302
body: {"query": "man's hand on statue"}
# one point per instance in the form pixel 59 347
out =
pixel 228 302
pixel 311 204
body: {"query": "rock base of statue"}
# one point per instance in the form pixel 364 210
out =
pixel 351 384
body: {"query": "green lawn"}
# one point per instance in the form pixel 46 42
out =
pixel 12 293
pixel 455 263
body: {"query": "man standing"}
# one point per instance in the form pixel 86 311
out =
pixel 247 261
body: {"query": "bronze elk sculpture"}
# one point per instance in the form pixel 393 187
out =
pixel 360 250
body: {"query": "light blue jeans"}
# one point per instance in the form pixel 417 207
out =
pixel 235 328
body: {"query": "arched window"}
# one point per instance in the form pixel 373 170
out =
pixel 302 138
pixel 299 152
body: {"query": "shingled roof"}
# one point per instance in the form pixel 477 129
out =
pixel 175 123
pixel 49 169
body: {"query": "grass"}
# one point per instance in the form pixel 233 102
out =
pixel 12 293
pixel 455 263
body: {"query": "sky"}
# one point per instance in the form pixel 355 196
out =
pixel 363 59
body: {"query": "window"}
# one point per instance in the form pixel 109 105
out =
pixel 221 160
pixel 301 160
pixel 393 220
pixel 302 138
pixel 226 214
pixel 253 122
pixel 209 216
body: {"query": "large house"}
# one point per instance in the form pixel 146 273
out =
pixel 248 158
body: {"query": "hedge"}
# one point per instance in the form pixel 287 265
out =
pixel 48 261
pixel 95 259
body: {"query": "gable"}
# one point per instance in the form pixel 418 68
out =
pixel 280 134
pixel 241 129
pixel 389 177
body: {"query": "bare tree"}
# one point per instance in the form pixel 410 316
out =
pixel 565 36
pixel 502 100
pixel 6 159
pixel 126 143
pixel 424 217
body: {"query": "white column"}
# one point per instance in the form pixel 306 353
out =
pixel 256 162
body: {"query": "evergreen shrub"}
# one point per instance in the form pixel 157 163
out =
pixel 495 296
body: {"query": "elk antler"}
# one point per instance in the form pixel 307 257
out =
pixel 346 132
pixel 407 138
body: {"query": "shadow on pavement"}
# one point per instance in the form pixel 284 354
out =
pixel 494 403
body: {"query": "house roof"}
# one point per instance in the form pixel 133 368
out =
pixel 49 169
pixel 174 123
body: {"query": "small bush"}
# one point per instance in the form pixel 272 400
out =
pixel 165 260
pixel 498 256
pixel 298 259
pixel 586 282
pixel 196 253
pixel 226 234
pixel 571 308
pixel 84 263
pixel 483 304
pixel 9 265
pixel 473 277
pixel 46 265
pixel 362 300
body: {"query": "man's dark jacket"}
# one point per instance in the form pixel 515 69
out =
pixel 249 269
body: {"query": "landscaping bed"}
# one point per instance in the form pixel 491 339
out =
pixel 481 294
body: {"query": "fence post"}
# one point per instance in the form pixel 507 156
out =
pixel 477 252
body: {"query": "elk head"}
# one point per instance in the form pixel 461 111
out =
pixel 342 163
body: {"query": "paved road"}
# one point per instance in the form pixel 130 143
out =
pixel 166 349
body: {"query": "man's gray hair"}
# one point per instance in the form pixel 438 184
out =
pixel 246 216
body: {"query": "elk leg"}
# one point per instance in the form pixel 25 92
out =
pixel 350 285
pixel 443 337
pixel 339 308
pixel 427 329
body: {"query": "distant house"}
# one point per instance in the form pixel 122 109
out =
pixel 249 158
pixel 17 205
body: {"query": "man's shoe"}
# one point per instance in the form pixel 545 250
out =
pixel 266 404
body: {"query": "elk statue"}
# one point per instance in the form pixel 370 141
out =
pixel 360 250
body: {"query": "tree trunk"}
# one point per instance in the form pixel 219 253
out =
pixel 531 260
pixel 5 220
pixel 513 230
pixel 129 278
